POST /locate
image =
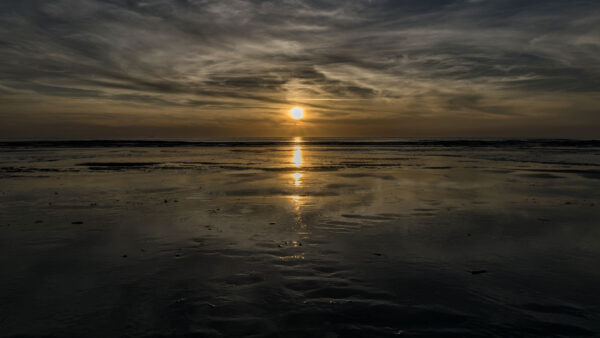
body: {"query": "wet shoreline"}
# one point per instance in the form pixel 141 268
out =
pixel 299 239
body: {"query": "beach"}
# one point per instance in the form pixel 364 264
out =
pixel 300 237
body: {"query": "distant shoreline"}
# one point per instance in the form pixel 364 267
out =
pixel 263 142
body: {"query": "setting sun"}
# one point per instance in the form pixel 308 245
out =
pixel 297 113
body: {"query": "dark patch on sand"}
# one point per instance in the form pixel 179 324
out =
pixel 361 175
pixel 340 186
pixel 118 164
pixel 592 173
pixel 553 309
pixel 497 171
pixel 368 217
pixel 361 164
pixel 277 192
pixel 541 175
pixel 35 170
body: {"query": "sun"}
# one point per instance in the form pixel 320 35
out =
pixel 297 113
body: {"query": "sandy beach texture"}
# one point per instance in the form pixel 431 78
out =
pixel 320 238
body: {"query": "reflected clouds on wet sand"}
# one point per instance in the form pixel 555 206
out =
pixel 286 235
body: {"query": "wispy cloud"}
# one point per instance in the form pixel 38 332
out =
pixel 378 60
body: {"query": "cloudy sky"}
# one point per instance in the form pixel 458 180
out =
pixel 204 68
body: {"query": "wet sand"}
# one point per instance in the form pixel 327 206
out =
pixel 332 238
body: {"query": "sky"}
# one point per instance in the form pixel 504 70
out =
pixel 204 68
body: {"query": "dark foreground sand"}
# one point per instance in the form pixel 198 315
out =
pixel 300 239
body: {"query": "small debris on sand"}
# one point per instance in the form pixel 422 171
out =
pixel 478 272
pixel 377 254
pixel 77 222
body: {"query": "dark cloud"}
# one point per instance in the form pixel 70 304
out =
pixel 377 58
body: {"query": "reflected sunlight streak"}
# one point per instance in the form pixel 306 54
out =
pixel 297 176
pixel 297 179
pixel 297 159
pixel 297 201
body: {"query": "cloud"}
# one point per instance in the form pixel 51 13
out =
pixel 345 59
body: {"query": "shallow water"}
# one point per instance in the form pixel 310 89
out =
pixel 300 238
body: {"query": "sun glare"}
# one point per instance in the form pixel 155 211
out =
pixel 297 113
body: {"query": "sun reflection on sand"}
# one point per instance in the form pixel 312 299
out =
pixel 297 200
pixel 297 179
pixel 297 159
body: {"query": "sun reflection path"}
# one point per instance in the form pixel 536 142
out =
pixel 297 200
pixel 297 179
pixel 297 159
